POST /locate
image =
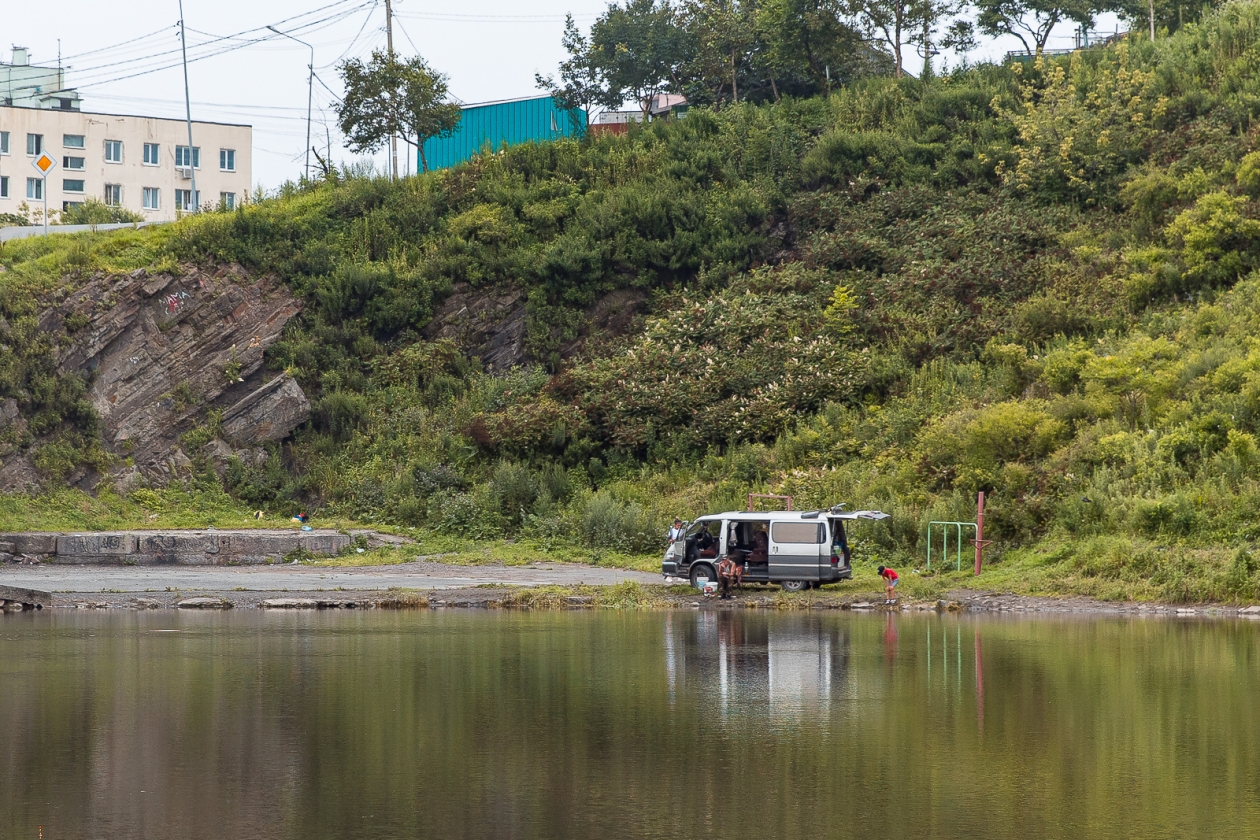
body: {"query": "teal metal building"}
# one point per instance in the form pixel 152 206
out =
pixel 493 124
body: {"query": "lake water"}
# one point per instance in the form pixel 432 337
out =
pixel 600 725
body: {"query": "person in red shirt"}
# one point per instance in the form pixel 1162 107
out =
pixel 890 584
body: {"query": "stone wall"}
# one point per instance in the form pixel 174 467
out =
pixel 155 548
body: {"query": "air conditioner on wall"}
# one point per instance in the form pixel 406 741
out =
pixel 186 174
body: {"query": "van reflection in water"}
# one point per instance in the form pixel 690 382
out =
pixel 741 663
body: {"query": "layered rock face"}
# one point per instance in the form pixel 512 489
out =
pixel 159 352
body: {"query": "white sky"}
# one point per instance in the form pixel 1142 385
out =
pixel 490 49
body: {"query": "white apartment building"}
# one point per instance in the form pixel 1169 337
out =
pixel 140 163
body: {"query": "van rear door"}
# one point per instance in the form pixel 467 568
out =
pixel 795 549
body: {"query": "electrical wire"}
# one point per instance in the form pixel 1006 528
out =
pixel 355 40
pixel 455 17
pixel 96 76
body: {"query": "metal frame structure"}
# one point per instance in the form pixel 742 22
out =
pixel 945 532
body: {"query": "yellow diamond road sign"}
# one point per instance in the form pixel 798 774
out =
pixel 44 163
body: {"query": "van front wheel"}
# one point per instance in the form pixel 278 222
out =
pixel 794 585
pixel 702 570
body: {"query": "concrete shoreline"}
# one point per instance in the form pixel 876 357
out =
pixel 426 583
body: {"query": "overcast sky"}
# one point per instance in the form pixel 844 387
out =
pixel 489 48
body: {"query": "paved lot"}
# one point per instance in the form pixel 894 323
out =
pixel 418 575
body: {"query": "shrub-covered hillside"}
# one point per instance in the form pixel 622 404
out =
pixel 1037 281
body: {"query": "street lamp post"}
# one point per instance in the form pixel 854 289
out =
pixel 310 90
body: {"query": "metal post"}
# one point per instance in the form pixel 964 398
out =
pixel 310 92
pixel 979 530
pixel 183 47
pixel 1152 9
pixel 929 546
pixel 389 43
pixel 44 190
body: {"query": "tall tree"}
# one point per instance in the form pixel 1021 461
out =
pixel 725 33
pixel 898 23
pixel 392 96
pixel 639 50
pixel 805 45
pixel 1031 21
pixel 581 86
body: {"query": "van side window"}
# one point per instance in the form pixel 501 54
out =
pixel 812 533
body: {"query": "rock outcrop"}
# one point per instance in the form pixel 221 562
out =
pixel 161 351
pixel 490 323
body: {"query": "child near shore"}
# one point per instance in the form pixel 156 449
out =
pixel 890 585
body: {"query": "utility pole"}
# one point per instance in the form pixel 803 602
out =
pixel 183 47
pixel 389 44
pixel 310 93
pixel 1152 9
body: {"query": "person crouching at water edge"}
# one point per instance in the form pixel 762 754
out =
pixel 890 584
pixel 729 573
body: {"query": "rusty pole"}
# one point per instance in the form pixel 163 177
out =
pixel 980 541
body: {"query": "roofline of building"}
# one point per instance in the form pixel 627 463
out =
pixel 132 116
pixel 506 101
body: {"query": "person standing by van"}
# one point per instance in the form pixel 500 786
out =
pixel 890 585
pixel 675 531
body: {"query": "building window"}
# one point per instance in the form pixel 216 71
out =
pixel 113 194
pixel 75 163
pixel 70 205
pixel 35 188
pixel 227 201
pixel 66 104
pixel 181 157
pixel 4 186
pixel 151 154
pixel 113 151
pixel 185 200
pixel 151 198
pixel 72 185
pixel 72 141
pixel 4 142
pixel 227 160
pixel 34 144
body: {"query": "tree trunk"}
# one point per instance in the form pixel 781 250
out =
pixel 424 161
pixel 734 83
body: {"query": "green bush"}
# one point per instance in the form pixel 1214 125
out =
pixel 612 525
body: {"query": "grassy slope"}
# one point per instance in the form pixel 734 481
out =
pixel 894 297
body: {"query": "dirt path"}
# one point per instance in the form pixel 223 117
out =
pixel 422 574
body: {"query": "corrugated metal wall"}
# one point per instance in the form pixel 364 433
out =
pixel 496 123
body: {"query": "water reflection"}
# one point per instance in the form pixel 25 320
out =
pixel 748 665
pixel 601 724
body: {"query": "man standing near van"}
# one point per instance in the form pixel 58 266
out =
pixel 890 585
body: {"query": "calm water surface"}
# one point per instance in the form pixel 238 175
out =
pixel 581 725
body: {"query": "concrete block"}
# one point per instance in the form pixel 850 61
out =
pixel 289 604
pixel 204 604
pixel 32 597
pixel 264 544
pixel 33 543
pixel 166 547
pixel 95 545
pixel 325 543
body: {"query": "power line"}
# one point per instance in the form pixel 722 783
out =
pixel 447 16
pixel 128 44
pixel 355 40
pixel 156 62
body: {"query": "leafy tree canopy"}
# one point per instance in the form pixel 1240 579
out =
pixel 387 96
